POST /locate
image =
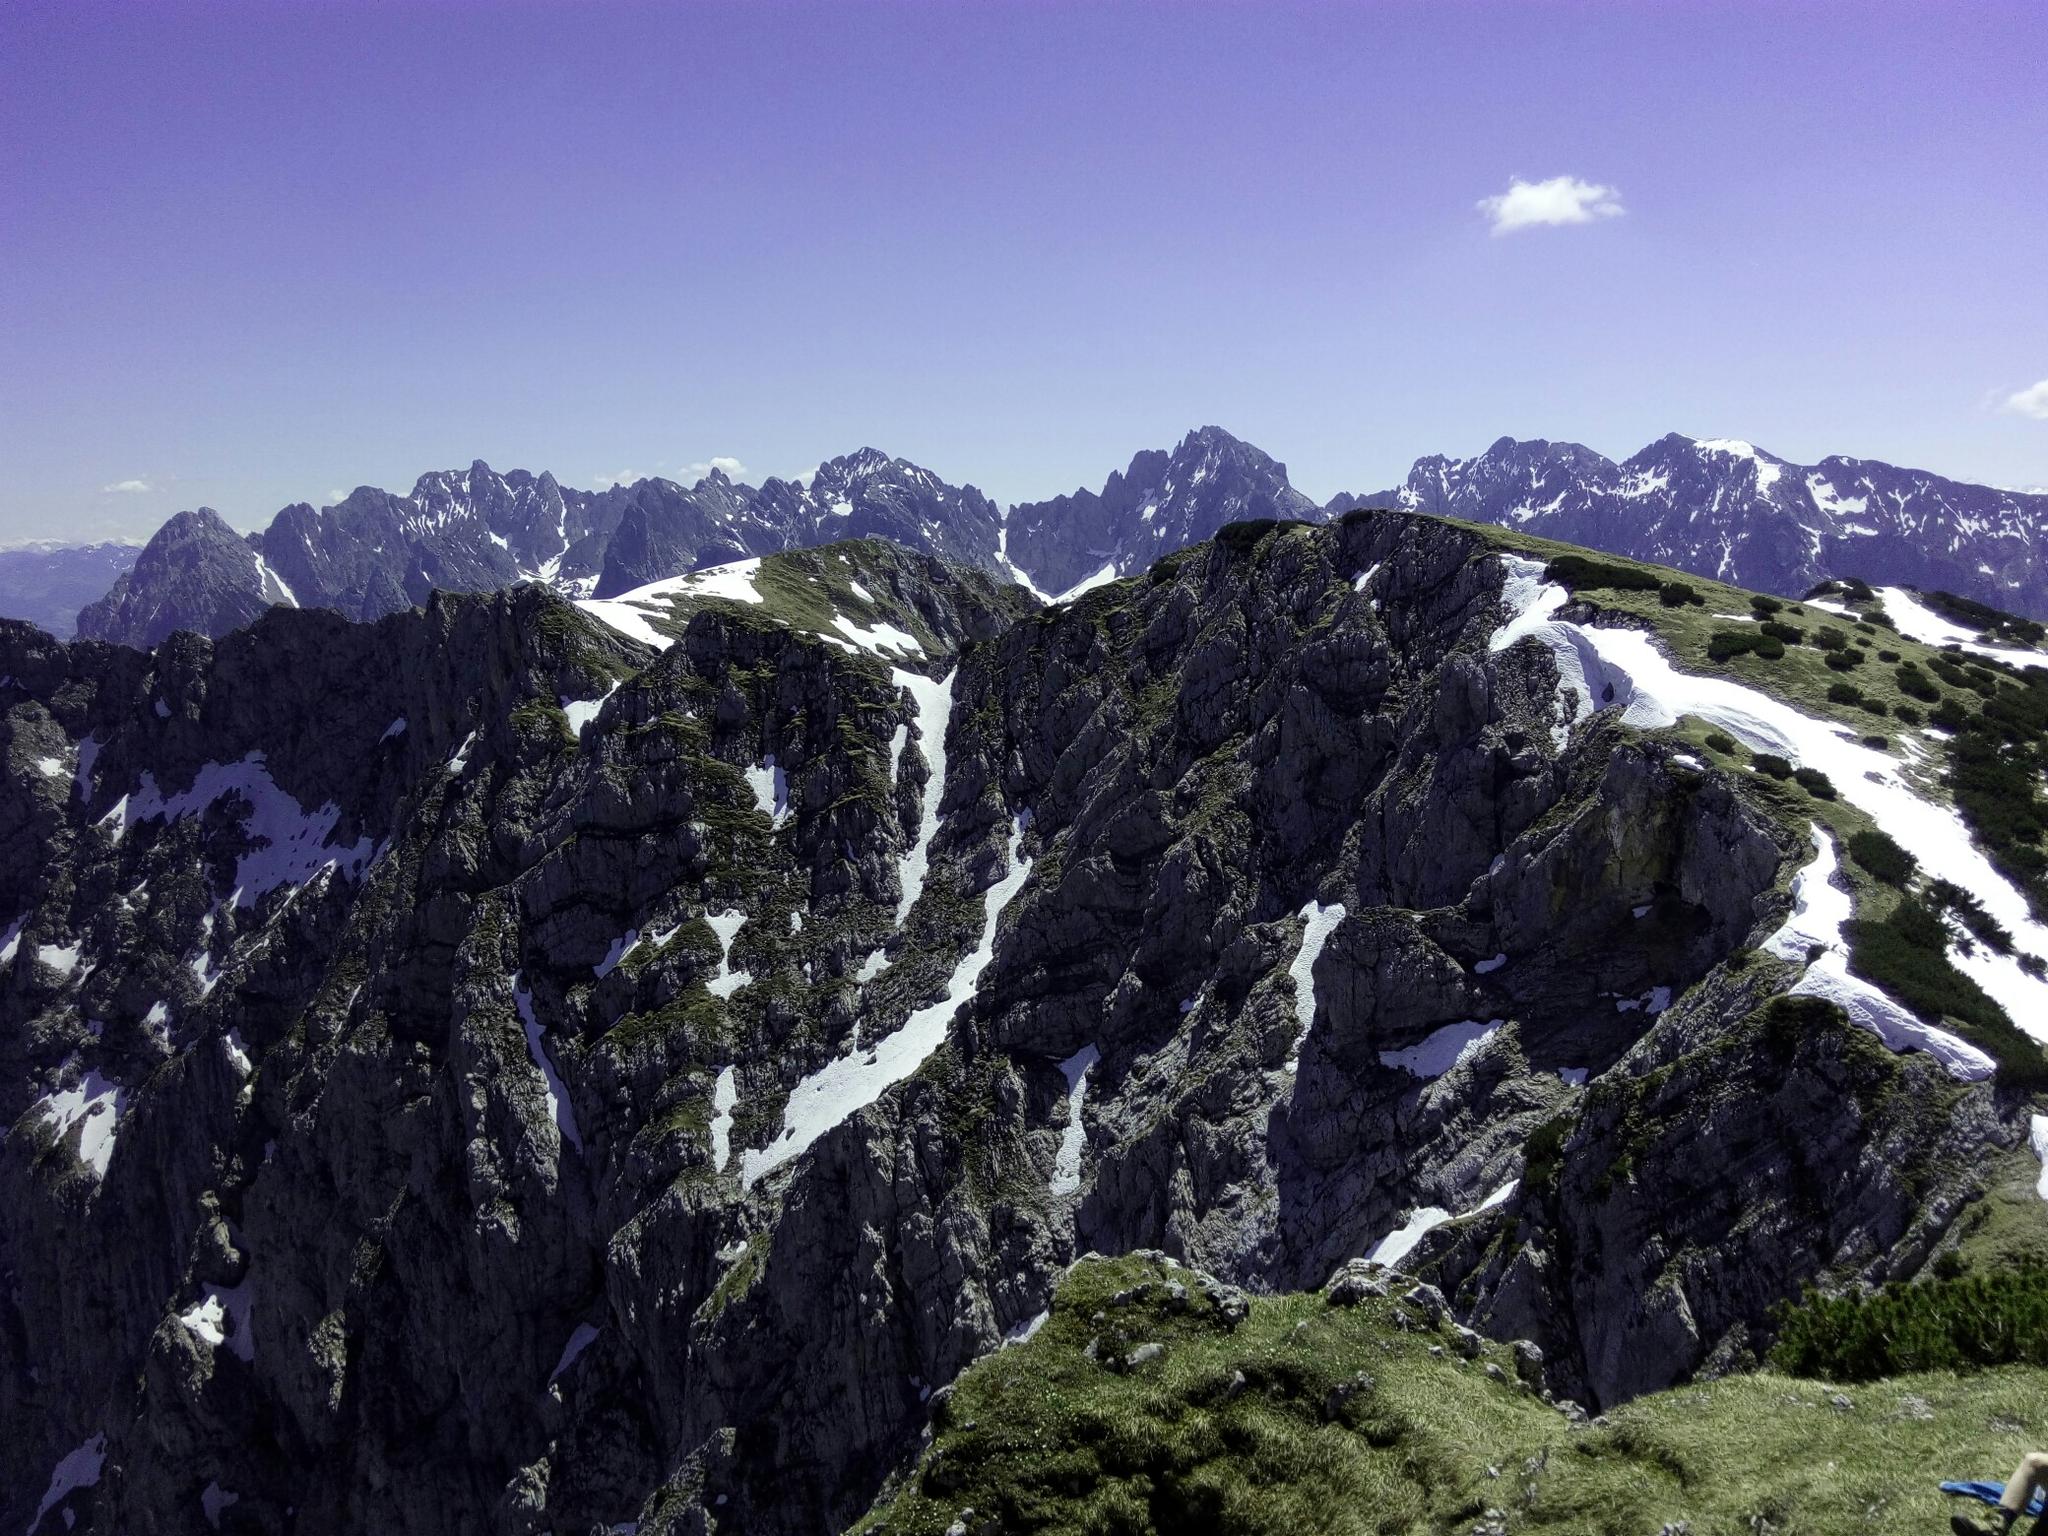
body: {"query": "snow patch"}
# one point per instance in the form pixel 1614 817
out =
pixel 629 612
pixel 771 790
pixel 1021 1331
pixel 79 1469
pixel 213 1498
pixel 932 706
pixel 1399 1243
pixel 622 946
pixel 221 1317
pixel 1088 583
pixel 581 1337
pixel 580 712
pixel 1318 922
pixel 727 926
pixel 61 958
pixel 1488 967
pixel 1442 1049
pixel 1582 682
pixel 879 638
pixel 559 1105
pixel 95 1104
pixel 1066 1167
pixel 725 1094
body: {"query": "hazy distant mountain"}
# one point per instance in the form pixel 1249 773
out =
pixel 476 530
pixel 1161 503
pixel 48 583
pixel 1724 508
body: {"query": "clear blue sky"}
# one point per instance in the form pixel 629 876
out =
pixel 258 253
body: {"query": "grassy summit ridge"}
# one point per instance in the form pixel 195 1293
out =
pixel 1309 1416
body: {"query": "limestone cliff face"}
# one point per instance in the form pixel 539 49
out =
pixel 477 1072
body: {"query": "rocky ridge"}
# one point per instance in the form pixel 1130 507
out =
pixel 520 1066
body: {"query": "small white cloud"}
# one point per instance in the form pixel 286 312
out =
pixel 2031 401
pixel 606 482
pixel 733 468
pixel 335 494
pixel 1560 200
pixel 128 488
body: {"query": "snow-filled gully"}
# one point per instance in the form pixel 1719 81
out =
pixel 851 1082
pixel 1624 668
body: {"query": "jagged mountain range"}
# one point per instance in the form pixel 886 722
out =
pixel 1727 509
pixel 530 1065
pixel 374 553
pixel 1715 507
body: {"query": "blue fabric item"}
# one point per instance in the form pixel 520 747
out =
pixel 1989 1493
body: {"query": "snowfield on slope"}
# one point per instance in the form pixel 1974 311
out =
pixel 1625 668
pixel 1916 621
pixel 629 612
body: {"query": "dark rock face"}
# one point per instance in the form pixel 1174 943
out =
pixel 48 584
pixel 1729 510
pixel 1162 503
pixel 471 1072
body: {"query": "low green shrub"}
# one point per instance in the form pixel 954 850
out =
pixel 1916 684
pixel 1577 571
pixel 1815 783
pixel 1722 743
pixel 1725 644
pixel 1772 764
pixel 1880 854
pixel 1968 1323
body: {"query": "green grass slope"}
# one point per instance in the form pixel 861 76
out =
pixel 1308 1417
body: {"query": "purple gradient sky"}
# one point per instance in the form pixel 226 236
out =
pixel 259 253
